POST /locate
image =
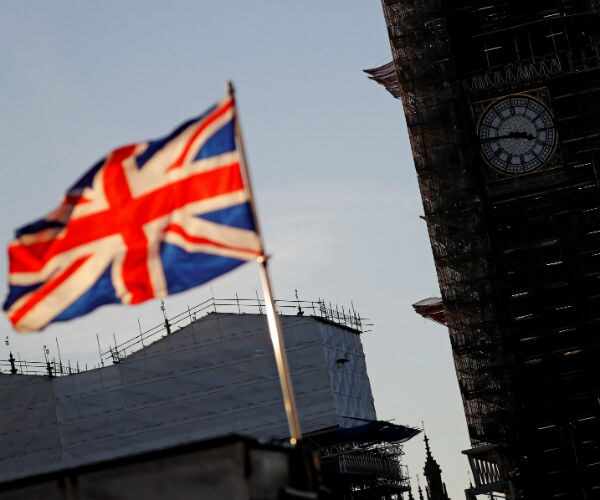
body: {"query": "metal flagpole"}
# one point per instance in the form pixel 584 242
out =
pixel 272 318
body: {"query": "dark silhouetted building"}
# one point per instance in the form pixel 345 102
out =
pixel 502 103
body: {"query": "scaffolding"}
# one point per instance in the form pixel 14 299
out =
pixel 365 462
pixel 517 257
pixel 206 373
pixel 453 210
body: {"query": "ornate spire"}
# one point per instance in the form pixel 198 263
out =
pixel 427 449
pixel 431 466
pixel 410 493
pixel 421 497
pixel 436 489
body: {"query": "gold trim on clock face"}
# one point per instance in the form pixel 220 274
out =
pixel 517 134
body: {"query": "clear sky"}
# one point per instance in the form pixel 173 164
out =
pixel 328 151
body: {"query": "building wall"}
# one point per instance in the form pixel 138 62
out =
pixel 229 468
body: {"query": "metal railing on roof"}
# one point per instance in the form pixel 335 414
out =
pixel 51 368
pixel 341 316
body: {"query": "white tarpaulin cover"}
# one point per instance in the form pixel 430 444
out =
pixel 213 377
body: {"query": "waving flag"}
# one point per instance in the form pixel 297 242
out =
pixel 148 220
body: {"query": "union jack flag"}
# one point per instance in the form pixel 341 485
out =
pixel 148 220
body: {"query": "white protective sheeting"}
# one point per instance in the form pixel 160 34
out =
pixel 213 377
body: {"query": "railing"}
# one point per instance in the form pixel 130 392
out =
pixel 52 368
pixel 364 463
pixel 348 318
pixel 489 470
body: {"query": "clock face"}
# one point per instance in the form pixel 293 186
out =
pixel 516 134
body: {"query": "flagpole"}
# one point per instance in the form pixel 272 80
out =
pixel 272 317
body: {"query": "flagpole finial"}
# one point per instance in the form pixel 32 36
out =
pixel 230 88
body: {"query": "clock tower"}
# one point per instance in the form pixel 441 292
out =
pixel 502 103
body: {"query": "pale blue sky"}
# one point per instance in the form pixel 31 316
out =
pixel 328 152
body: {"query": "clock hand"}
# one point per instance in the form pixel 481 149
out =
pixel 510 135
